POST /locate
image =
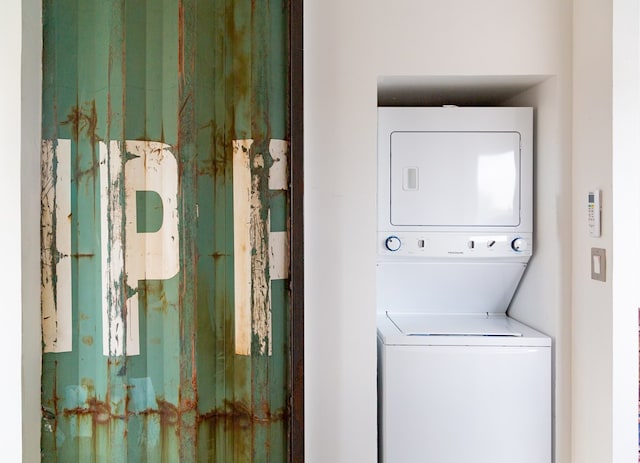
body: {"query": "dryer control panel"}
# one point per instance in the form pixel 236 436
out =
pixel 437 245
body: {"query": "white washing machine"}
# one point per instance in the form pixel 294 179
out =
pixel 458 379
pixel 463 388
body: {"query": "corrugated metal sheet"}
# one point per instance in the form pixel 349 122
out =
pixel 165 231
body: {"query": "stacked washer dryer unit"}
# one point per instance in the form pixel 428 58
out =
pixel 459 380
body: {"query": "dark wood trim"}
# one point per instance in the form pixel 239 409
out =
pixel 297 234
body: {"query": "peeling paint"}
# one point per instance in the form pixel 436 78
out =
pixel 56 246
pixel 279 252
pixel 260 255
pixel 259 239
pixel 242 245
pixel 112 249
pixel 150 166
pixel 279 255
pixel 278 172
pixel 174 115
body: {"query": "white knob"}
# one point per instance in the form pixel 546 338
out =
pixel 393 243
pixel 519 244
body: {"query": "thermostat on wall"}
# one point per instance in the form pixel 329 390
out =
pixel 594 211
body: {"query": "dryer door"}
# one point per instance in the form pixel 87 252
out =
pixel 459 179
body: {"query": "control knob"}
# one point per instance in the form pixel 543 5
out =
pixel 519 244
pixel 392 243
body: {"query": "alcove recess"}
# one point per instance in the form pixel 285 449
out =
pixel 454 90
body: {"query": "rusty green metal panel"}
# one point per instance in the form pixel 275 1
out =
pixel 165 211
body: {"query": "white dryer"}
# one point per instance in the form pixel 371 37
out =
pixel 459 380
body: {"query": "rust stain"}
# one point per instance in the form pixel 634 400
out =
pixel 156 289
pixel 184 104
pixel 218 159
pixel 88 340
pixel 241 61
pixel 234 411
pixel 168 412
pixel 84 119
pixel 89 385
pixel 99 411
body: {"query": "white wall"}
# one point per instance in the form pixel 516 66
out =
pixel 592 330
pixel 30 219
pixel 340 143
pixel 348 45
pixel 20 89
pixel 605 156
pixel 10 239
pixel 544 297
pixel 626 226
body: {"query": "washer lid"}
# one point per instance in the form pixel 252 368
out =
pixel 420 331
pixel 454 324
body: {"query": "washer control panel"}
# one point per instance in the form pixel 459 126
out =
pixel 454 244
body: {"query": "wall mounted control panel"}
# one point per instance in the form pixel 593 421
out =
pixel 594 212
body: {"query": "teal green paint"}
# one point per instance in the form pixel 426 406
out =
pixel 279 207
pixel 152 70
pixel 149 211
pixel 194 75
pixel 277 19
